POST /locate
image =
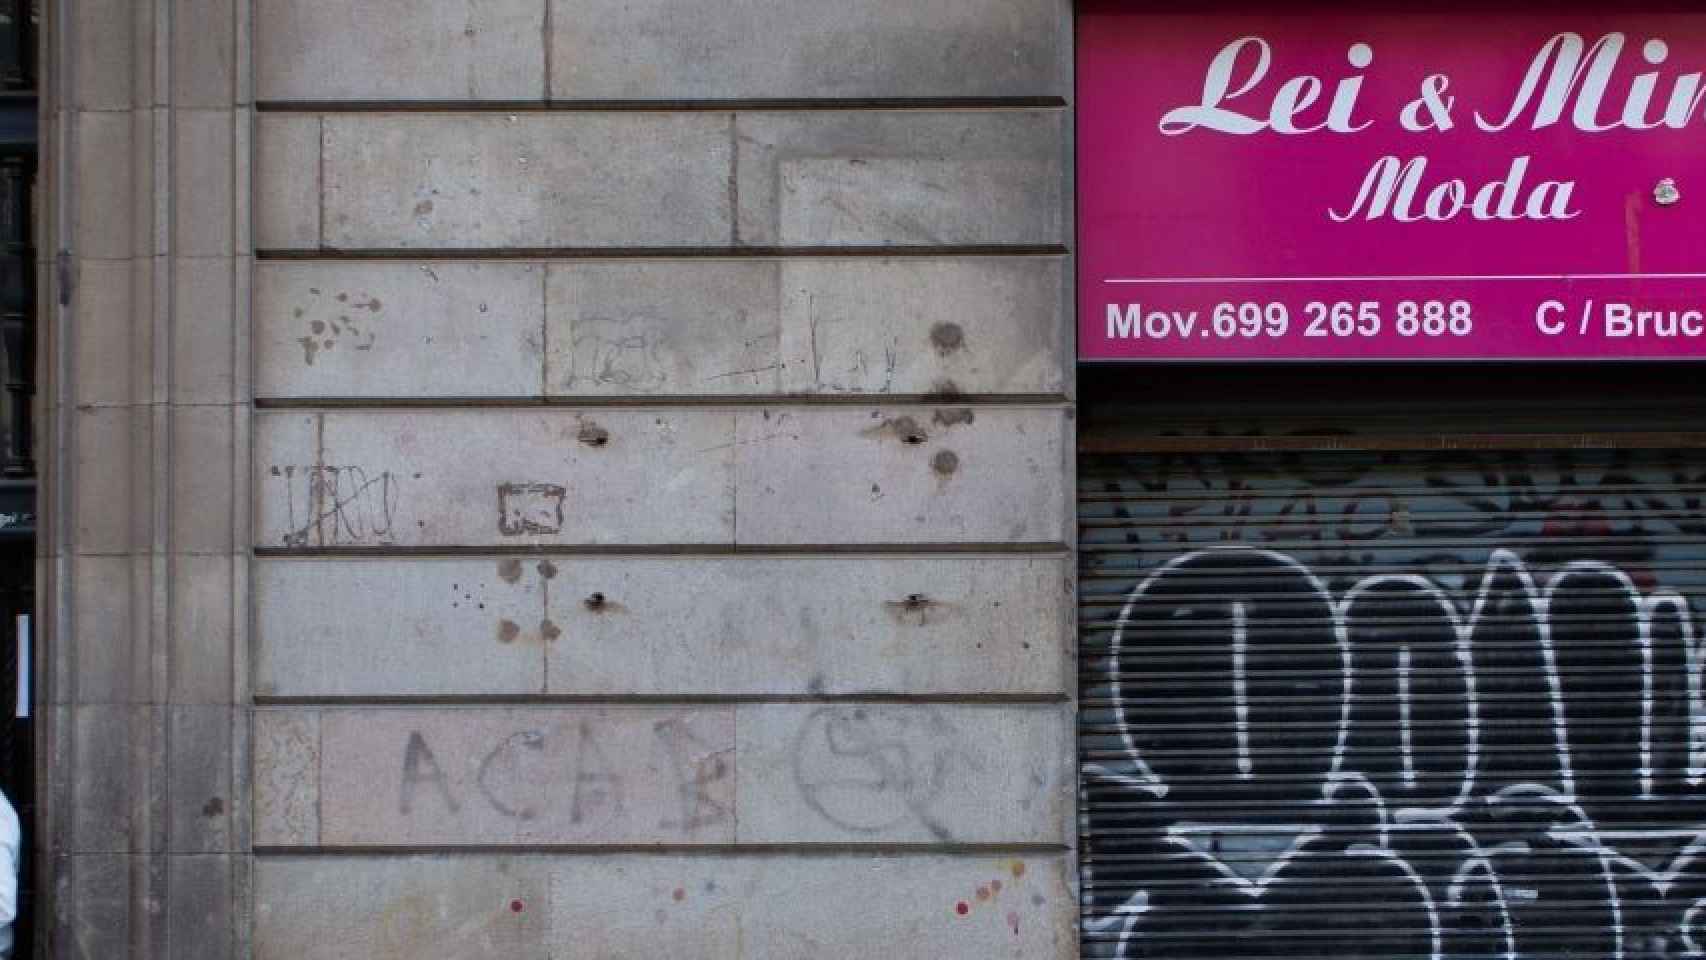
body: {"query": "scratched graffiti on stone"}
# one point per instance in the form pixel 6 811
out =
pixel 328 506
pixel 1388 766
pixel 530 508
pixel 871 768
pixel 631 361
pixel 582 773
pixel 697 768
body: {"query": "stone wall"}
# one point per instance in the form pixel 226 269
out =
pixel 653 420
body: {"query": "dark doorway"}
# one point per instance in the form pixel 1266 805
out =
pixel 19 126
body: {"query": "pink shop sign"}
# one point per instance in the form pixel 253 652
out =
pixel 1345 185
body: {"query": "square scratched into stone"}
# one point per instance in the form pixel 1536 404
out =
pixel 530 508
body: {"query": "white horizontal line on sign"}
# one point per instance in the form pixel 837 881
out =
pixel 1153 281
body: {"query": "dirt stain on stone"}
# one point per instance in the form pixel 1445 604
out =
pixel 947 337
pixel 912 610
pixel 593 435
pixel 508 630
pixel 905 429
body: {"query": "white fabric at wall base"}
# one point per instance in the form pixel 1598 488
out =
pixel 10 839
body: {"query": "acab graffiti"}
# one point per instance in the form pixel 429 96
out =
pixel 581 773
pixel 638 774
pixel 1394 771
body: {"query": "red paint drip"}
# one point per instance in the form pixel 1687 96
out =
pixel 516 906
pixel 962 908
pixel 679 894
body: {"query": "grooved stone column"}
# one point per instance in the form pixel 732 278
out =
pixel 144 842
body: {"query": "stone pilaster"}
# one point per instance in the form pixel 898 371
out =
pixel 144 441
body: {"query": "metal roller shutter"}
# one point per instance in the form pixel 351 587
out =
pixel 1438 704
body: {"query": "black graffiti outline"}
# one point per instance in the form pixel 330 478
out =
pixel 1583 835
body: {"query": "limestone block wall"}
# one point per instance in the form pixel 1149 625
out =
pixel 649 478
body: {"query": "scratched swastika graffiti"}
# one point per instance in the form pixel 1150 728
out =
pixel 1285 754
pixel 869 769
